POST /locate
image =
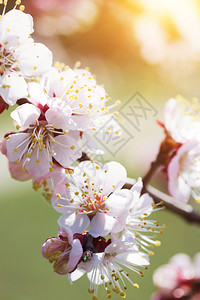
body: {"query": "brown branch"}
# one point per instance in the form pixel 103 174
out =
pixel 182 209
pixel 154 166
pixel 22 101
pixel 84 157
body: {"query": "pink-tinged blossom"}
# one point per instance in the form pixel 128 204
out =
pixel 108 267
pixel 136 223
pixel 15 169
pixel 181 119
pixel 19 55
pixel 63 251
pixel 79 102
pixel 93 197
pixel 41 143
pixel 50 181
pixel 182 128
pixel 183 172
pixel 178 279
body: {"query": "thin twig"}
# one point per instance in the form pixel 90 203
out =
pixel 84 157
pixel 180 208
pixel 22 101
pixel 154 166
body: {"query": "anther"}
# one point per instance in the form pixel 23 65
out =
pixel 157 243
pixel 118 102
pixel 123 295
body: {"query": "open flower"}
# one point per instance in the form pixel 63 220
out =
pixel 179 279
pixel 41 143
pixel 63 251
pixel 93 197
pixel 182 127
pixel 49 181
pixel 136 223
pixel 183 172
pixel 76 92
pixel 108 267
pixel 19 55
pixel 80 103
pixel 181 119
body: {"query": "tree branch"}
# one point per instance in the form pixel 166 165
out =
pixel 84 157
pixel 182 209
pixel 22 101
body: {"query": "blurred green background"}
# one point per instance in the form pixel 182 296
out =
pixel 147 46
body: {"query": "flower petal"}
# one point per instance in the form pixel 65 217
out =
pixel 16 173
pixel 142 205
pixel 134 258
pixel 34 59
pixel 137 188
pixel 13 87
pixel 25 114
pixel 77 223
pixel 177 186
pixel 14 150
pixel 66 150
pixel 75 255
pixel 56 118
pixel 101 224
pixel 114 178
pixel 78 273
pixel 120 222
pixel 37 95
pixel 15 27
pixel 120 246
pixel 57 83
pixel 118 202
pixel 37 169
pixel 166 278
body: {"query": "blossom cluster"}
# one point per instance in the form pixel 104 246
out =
pixel 104 230
pixel 182 148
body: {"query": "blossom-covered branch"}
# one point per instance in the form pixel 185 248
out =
pixel 104 225
pixel 180 208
